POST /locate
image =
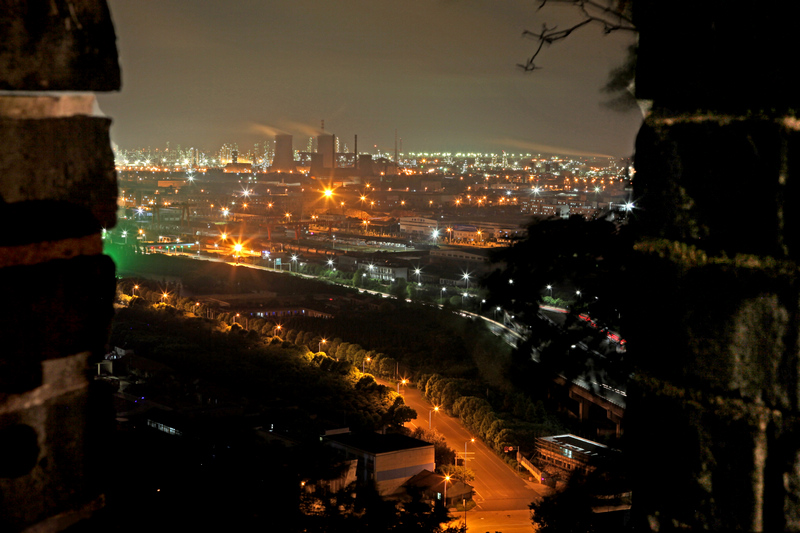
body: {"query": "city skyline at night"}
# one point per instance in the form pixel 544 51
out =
pixel 439 77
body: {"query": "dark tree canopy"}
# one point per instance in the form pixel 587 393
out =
pixel 569 255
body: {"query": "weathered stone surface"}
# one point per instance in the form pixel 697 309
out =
pixel 722 183
pixel 65 45
pixel 716 324
pixel 782 475
pixel 62 159
pixel 67 105
pixel 721 325
pixel 61 307
pixel 708 458
pixel 60 476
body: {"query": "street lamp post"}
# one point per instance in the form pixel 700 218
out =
pixel 465 450
pixel 446 479
pixel 442 291
pixel 401 382
pixel 550 288
pixel 365 360
pixel 319 345
pixel 135 288
pixel 276 329
pixel 430 413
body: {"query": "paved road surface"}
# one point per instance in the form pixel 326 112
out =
pixel 502 496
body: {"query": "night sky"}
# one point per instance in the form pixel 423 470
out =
pixel 443 73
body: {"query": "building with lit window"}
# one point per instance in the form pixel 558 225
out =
pixel 572 453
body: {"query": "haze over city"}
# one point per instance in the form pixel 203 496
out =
pixel 443 75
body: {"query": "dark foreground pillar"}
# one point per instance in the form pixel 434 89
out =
pixel 57 191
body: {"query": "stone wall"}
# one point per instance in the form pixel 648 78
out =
pixel 713 410
pixel 57 191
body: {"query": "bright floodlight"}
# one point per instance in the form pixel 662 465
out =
pixel 629 206
pixel 238 247
pixel 328 193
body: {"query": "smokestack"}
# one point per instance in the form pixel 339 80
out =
pixel 355 150
pixel 333 152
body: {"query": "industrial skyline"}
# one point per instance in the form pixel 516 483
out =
pixel 443 75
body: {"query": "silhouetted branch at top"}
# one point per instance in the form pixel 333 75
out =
pixel 613 15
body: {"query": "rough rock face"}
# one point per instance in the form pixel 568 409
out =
pixel 57 191
pixel 57 45
pixel 713 411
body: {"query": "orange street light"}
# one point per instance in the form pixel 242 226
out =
pixel 430 412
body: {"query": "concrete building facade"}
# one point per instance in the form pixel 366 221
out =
pixel 387 460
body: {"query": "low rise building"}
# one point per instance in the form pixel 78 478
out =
pixel 387 460
pixel 572 453
pixel 418 226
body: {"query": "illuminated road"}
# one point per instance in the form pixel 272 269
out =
pixel 502 496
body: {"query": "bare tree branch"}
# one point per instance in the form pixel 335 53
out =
pixel 613 15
